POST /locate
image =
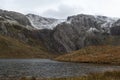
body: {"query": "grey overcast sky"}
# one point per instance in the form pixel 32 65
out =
pixel 63 8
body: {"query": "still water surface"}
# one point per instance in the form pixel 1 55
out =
pixel 48 68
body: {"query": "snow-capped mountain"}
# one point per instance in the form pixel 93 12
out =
pixel 58 35
pixel 94 22
pixel 82 30
pixel 42 22
pixel 105 23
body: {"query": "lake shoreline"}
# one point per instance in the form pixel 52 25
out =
pixel 58 60
pixel 47 68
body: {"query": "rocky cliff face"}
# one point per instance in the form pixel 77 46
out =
pixel 17 26
pixel 15 17
pixel 80 31
pixel 115 29
pixel 13 29
pixel 60 36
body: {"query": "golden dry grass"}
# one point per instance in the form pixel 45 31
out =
pixel 94 54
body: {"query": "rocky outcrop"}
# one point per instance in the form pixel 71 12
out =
pixel 115 29
pixel 75 33
pixel 16 25
pixel 13 30
pixel 80 31
pixel 72 35
pixel 15 17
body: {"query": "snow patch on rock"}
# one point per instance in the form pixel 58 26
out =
pixel 42 22
pixel 93 29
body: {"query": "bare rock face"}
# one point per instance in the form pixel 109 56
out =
pixel 75 33
pixel 13 30
pixel 15 25
pixel 80 31
pixel 72 35
pixel 15 17
pixel 115 29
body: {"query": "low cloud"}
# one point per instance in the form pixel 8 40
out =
pixel 61 11
pixel 63 8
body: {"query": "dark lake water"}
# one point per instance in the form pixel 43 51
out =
pixel 47 68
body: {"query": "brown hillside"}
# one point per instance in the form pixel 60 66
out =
pixel 94 54
pixel 12 48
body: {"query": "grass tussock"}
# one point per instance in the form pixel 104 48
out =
pixel 94 54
